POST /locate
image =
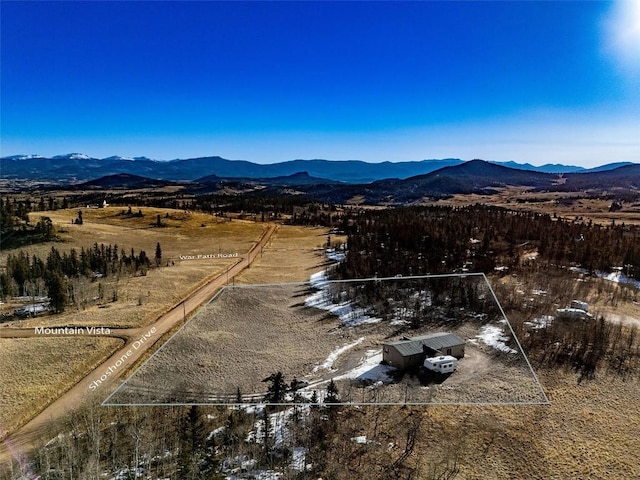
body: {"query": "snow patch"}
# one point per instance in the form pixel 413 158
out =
pixel 318 280
pixel 278 428
pixel 362 439
pixel 493 336
pixel 402 316
pixel 333 254
pixel 349 315
pixel 370 369
pixel 540 322
pixel 299 459
pixel 333 356
pixel 618 277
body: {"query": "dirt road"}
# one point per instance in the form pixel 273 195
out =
pixel 96 384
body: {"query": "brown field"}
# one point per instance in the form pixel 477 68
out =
pixel 142 299
pixel 588 432
pixel 36 370
pixel 184 233
pixel 567 205
pixel 301 247
pixel 237 340
pixel 292 256
pixel 246 334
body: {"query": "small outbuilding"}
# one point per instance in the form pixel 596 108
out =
pixel 412 352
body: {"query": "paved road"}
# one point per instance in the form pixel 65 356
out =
pixel 143 338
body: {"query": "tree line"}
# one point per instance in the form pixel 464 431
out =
pixel 15 227
pixel 57 270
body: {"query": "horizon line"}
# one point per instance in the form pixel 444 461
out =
pixel 144 157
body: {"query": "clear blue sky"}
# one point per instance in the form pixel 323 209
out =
pixel 271 81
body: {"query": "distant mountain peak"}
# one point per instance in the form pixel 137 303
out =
pixel 73 156
pixel 24 157
pixel 117 157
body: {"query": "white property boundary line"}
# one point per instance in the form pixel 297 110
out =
pixel 104 402
pixel 513 334
pixel 546 401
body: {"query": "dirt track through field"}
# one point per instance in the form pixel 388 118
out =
pixel 138 341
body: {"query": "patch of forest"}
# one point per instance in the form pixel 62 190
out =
pixel 16 230
pixel 61 276
pixel 432 240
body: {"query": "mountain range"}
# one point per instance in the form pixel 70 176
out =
pixel 475 176
pixel 76 168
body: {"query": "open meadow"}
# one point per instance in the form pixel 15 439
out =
pixel 142 298
pixel 213 359
pixel 588 431
pixel 36 370
pixel 293 255
pixel 569 205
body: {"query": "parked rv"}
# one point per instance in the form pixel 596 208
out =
pixel 443 364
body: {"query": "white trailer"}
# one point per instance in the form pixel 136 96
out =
pixel 443 364
pixel 580 305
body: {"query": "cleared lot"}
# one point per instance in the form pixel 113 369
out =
pixel 247 334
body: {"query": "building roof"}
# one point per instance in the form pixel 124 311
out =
pixel 434 341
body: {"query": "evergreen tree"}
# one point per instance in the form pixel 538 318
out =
pixel 158 253
pixel 57 290
pixel 332 393
pixel 314 399
pixel 277 389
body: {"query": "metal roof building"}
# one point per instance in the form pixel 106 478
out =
pixel 411 352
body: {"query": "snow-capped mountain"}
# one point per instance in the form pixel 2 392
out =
pixel 73 156
pixel 24 157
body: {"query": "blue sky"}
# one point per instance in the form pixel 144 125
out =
pixel 538 82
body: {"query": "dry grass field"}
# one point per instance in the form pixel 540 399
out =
pixel 293 254
pixel 248 333
pixel 183 233
pixel 567 205
pixel 36 370
pixel 240 338
pixel 142 299
pixel 587 432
